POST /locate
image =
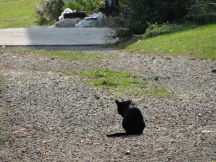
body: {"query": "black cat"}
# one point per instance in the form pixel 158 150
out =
pixel 133 122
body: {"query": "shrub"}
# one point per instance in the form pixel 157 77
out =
pixel 165 28
pixel 90 6
pixel 202 11
pixel 49 10
pixel 140 13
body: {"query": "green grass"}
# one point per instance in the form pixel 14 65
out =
pixel 85 5
pixel 18 13
pixel 69 72
pixel 3 139
pixel 2 114
pixel 76 55
pixel 155 29
pixel 198 43
pixel 122 82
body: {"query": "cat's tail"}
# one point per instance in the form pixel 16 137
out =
pixel 117 134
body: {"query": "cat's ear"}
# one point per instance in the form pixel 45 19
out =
pixel 117 102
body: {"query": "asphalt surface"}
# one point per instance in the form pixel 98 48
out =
pixel 54 36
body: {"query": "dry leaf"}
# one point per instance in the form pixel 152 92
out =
pixel 89 143
pixel 44 154
pixel 157 117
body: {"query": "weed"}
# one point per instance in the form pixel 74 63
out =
pixel 76 55
pixel 123 82
pixel 68 72
pixel 2 139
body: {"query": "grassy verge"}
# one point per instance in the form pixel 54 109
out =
pixel 155 30
pixel 76 55
pixel 18 13
pixel 198 43
pixel 122 82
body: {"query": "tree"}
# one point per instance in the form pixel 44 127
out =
pixel 202 11
pixel 140 13
pixel 49 11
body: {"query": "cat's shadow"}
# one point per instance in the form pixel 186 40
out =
pixel 114 135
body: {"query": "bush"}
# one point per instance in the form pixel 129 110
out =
pixel 49 11
pixel 155 29
pixel 90 6
pixel 140 13
pixel 202 11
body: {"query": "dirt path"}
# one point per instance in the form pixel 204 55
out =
pixel 53 117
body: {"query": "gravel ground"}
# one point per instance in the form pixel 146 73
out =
pixel 53 117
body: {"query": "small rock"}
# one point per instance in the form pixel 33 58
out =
pixel 156 78
pixel 200 115
pixel 67 22
pixel 213 71
pixel 97 96
pixel 128 152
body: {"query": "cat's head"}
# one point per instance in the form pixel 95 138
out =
pixel 122 106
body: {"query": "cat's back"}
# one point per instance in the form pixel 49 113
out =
pixel 133 121
pixel 133 114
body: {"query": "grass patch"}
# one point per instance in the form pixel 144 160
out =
pixel 155 29
pixel 76 55
pixel 69 72
pixel 1 129
pixel 122 82
pixel 3 139
pixel 18 13
pixel 198 43
pixel 2 114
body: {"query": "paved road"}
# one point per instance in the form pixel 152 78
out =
pixel 54 36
